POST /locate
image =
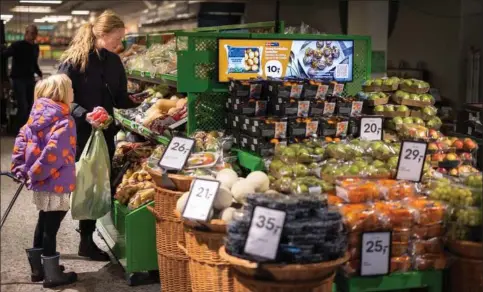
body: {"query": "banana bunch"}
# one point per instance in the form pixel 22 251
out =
pixel 141 197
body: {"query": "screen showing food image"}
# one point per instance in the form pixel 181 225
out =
pixel 242 59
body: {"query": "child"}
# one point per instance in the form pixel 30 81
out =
pixel 44 155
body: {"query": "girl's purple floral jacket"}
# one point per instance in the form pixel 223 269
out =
pixel 44 151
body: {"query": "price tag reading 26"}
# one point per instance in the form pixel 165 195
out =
pixel 375 253
pixel 411 160
pixel 264 233
pixel 176 154
pixel 200 201
pixel 371 128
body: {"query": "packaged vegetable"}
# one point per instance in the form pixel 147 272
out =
pixel 427 211
pixel 400 216
pixel 428 231
pixel 429 246
pixel 357 191
pixel 430 262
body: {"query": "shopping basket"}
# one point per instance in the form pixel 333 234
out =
pixel 17 193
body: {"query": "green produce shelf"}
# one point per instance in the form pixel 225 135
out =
pixel 131 236
pixel 431 280
pixel 140 129
pixel 249 160
pixel 169 79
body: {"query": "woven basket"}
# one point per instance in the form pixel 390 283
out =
pixel 246 284
pixel 215 225
pixel 165 204
pixel 466 275
pixel 169 235
pixel 173 274
pixel 466 249
pixel 279 272
pixel 182 182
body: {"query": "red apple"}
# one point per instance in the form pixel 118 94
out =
pixel 458 144
pixel 433 146
pixel 438 157
pixel 453 172
pixel 469 144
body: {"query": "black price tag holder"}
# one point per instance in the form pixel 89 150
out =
pixel 368 249
pixel 406 155
pixel 181 158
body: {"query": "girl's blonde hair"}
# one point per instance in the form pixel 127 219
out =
pixel 55 87
pixel 85 39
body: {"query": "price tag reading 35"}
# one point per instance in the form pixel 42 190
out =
pixel 200 200
pixel 264 233
pixel 375 253
pixel 411 160
pixel 371 128
pixel 176 154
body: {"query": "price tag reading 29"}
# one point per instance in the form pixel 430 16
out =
pixel 264 233
pixel 411 160
pixel 375 253
pixel 371 128
pixel 176 154
pixel 200 201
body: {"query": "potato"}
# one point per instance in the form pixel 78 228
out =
pixel 255 61
pixel 250 62
pixel 251 55
pixel 255 67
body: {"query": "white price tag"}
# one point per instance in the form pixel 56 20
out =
pixel 264 234
pixel 200 200
pixel 371 129
pixel 176 153
pixel 411 160
pixel 375 253
pixel 273 68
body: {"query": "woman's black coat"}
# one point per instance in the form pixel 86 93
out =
pixel 103 84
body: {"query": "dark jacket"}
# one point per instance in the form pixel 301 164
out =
pixel 24 59
pixel 103 84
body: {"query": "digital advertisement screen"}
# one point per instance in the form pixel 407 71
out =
pixel 243 59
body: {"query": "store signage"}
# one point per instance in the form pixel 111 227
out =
pixel 265 231
pixel 375 253
pixel 325 59
pixel 200 200
pixel 176 154
pixel 411 160
pixel 371 128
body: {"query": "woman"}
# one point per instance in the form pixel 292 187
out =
pixel 98 79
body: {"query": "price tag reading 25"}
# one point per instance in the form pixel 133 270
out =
pixel 176 154
pixel 371 128
pixel 375 253
pixel 411 160
pixel 200 201
pixel 264 234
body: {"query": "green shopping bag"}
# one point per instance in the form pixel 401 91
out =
pixel 92 196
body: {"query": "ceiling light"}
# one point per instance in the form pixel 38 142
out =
pixel 80 12
pixel 32 9
pixel 6 16
pixel 42 1
pixel 53 18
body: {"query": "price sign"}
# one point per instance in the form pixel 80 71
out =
pixel 273 68
pixel 375 253
pixel 141 73
pixel 200 200
pixel 371 129
pixel 264 233
pixel 411 160
pixel 176 153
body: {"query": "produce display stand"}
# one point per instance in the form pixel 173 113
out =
pixel 130 235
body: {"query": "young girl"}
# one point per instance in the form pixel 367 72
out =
pixel 44 156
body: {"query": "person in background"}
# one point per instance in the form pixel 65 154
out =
pixel 99 79
pixel 25 55
pixel 43 156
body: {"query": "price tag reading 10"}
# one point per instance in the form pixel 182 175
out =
pixel 176 154
pixel 411 160
pixel 375 253
pixel 200 201
pixel 371 128
pixel 264 233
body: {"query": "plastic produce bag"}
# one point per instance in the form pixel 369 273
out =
pixel 92 196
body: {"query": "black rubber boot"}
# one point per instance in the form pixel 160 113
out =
pixel 35 260
pixel 89 249
pixel 53 276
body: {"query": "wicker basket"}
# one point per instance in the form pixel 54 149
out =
pixel 466 249
pixel 466 275
pixel 165 204
pixel 246 284
pixel 173 274
pixel 279 272
pixel 182 182
pixel 169 235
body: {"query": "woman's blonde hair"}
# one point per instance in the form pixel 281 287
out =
pixel 55 87
pixel 85 39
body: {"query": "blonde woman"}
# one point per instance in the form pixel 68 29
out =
pixel 98 79
pixel 43 155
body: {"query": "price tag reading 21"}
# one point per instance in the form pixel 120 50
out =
pixel 411 160
pixel 200 200
pixel 176 154
pixel 264 233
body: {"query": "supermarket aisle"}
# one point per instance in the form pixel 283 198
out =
pixel 17 235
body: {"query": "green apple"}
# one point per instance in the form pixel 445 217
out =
pixel 353 170
pixel 418 121
pixel 398 121
pixel 414 96
pixel 402 108
pixel 392 162
pixel 378 163
pixel 408 82
pixel 405 95
pixel 408 120
pixel 373 96
pixel 379 108
pixel 377 82
pixel 399 94
pixel 389 108
pixel 388 82
pixel 426 97
pixel 429 110
pixel 368 83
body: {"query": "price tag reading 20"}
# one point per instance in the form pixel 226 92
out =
pixel 200 201
pixel 176 154
pixel 264 233
pixel 411 160
pixel 371 128
pixel 375 253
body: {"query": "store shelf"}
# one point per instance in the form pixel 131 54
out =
pixel 170 79
pixel 140 129
pixel 249 160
